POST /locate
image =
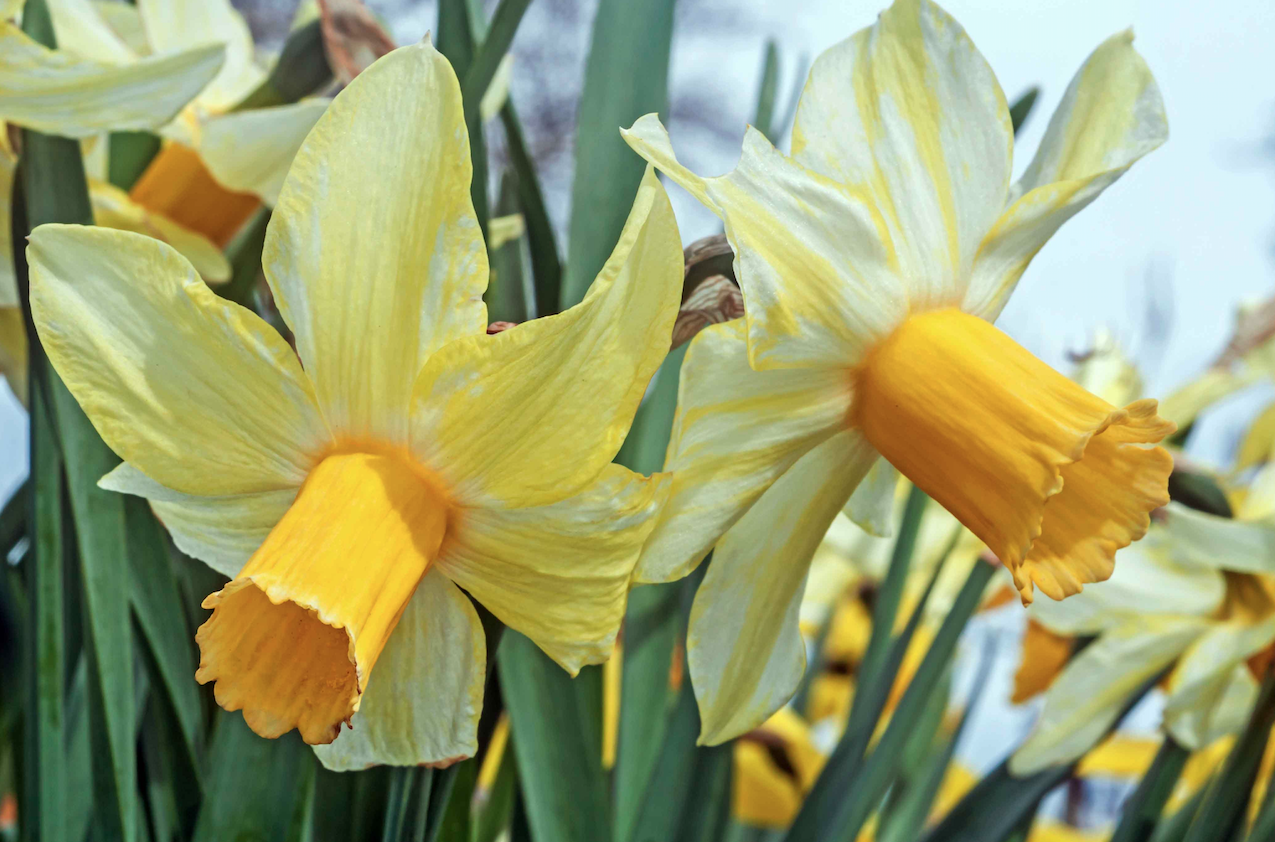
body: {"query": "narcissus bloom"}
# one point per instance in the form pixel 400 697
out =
pixel 872 262
pixel 351 493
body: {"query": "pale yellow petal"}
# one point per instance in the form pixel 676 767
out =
pixel 82 32
pixel 13 351
pixel 184 24
pixel 250 151
pixel 1212 541
pixel 812 255
pixel 126 22
pixel 1211 690
pixel 735 432
pixel 1086 699
pixel 744 647
pixel 559 573
pixel 531 415
pixel 222 531
pixel 423 707
pixel 909 112
pixel 112 208
pixel 871 506
pixel 57 93
pixel 1110 116
pixel 197 392
pixel 373 253
pixel 1259 440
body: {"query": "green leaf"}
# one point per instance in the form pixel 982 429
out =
pixel 256 789
pixel 767 90
pixel 495 43
pixel 302 70
pixel 1143 809
pixel 1174 828
pixel 407 803
pixel 1222 812
pixel 14 515
pixel 244 254
pixel 625 76
pixel 1022 107
pixel 128 156
pixel 496 811
pixel 506 296
pixel 1199 491
pixel 455 825
pixel 456 42
pixel 556 723
pixel 542 243
pixel 644 447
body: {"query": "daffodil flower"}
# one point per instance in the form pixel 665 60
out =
pixel 351 493
pixel 872 262
pixel 775 766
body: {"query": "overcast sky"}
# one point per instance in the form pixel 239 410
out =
pixel 1200 210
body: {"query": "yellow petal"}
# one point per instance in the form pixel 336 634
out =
pixel 185 24
pixel 559 573
pixel 178 186
pixel 373 253
pixel 1258 440
pixel 13 351
pixel 250 151
pixel 197 392
pixel 1110 116
pixel 1053 479
pixel 1219 542
pixel 1107 372
pixel 531 415
pixel 909 112
pixel 812 255
pixel 1119 756
pixel 1095 686
pixel 762 793
pixel 126 22
pixel 1044 656
pixel 222 531
pixel 293 639
pixel 871 506
pixel 743 645
pixel 57 93
pixel 81 31
pixel 1213 668
pixel 112 208
pixel 1049 831
pixel 735 432
pixel 423 707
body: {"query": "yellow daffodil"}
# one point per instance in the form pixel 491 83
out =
pixel 775 765
pixel 1197 596
pixel 352 488
pixel 872 262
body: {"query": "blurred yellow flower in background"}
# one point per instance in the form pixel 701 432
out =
pixel 413 455
pixel 872 262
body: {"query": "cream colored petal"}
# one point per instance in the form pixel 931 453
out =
pixel 250 151
pixel 197 392
pixel 422 703
pixel 735 432
pixel 82 32
pixel 1259 503
pixel 744 646
pixel 57 93
pixel 184 24
pixel 909 112
pixel 10 9
pixel 373 253
pixel 1221 543
pixel 1110 116
pixel 1087 697
pixel 531 415
pixel 112 208
pixel 222 531
pixel 1148 580
pixel 871 506
pixel 812 256
pixel 1198 710
pixel 126 22
pixel 559 573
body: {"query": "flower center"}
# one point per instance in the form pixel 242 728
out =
pixel 179 186
pixel 293 638
pixel 1053 479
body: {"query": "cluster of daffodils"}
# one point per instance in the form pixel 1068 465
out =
pixel 370 487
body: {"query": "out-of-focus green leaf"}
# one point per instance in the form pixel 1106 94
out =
pixel 643 449
pixel 244 254
pixel 128 156
pixel 1175 827
pixel 496 812
pixel 302 70
pixel 1143 809
pixel 255 789
pixel 542 243
pixel 1199 491
pixel 407 804
pixel 79 755
pixel 13 517
pixel 1022 107
pixel 440 796
pixel 157 611
pixel 626 76
pixel 506 296
pixel 767 90
pixel 1222 812
pixel 456 41
pixel 556 721
pixel 496 39
pixel 456 817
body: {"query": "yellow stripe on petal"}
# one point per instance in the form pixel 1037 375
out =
pixel 373 253
pixel 293 639
pixel 532 415
pixel 179 187
pixel 57 93
pixel 1053 479
pixel 197 392
pixel 112 208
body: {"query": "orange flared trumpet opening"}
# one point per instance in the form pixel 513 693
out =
pixel 178 186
